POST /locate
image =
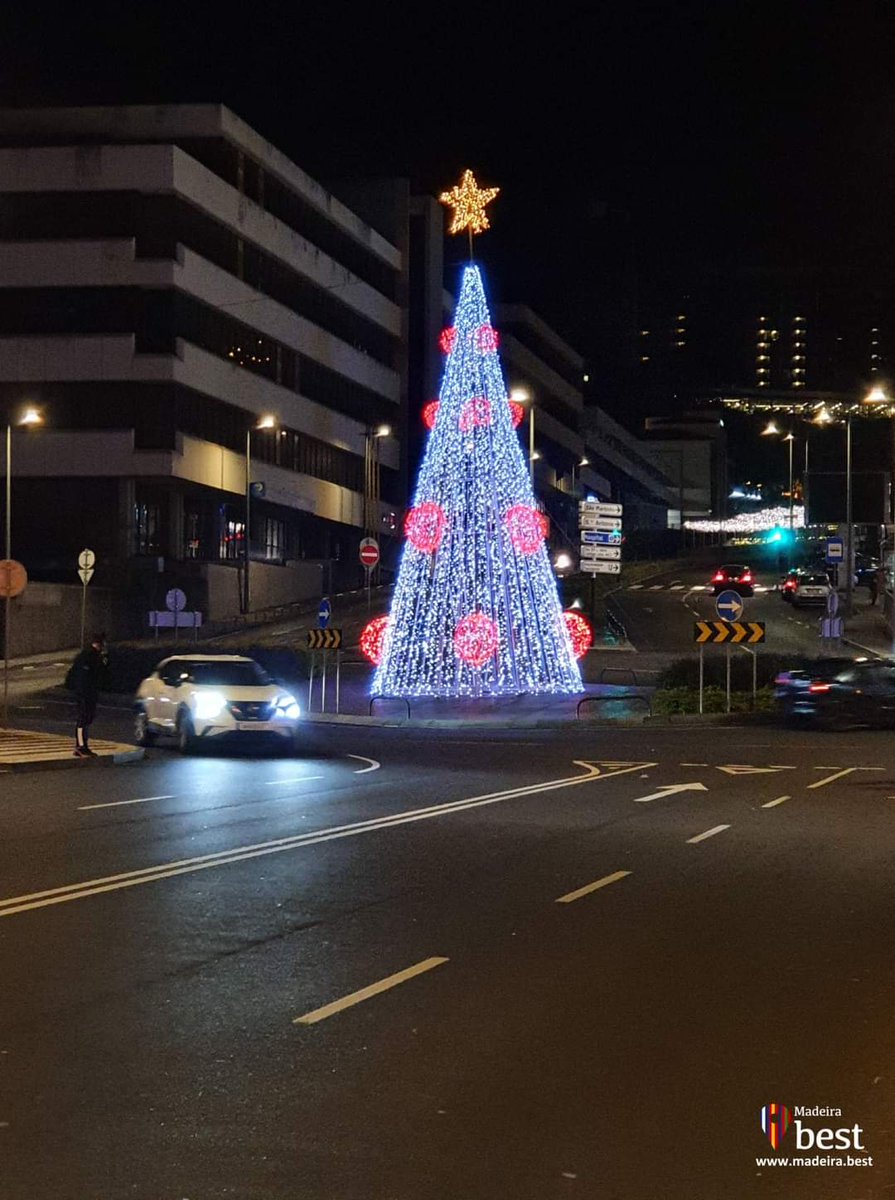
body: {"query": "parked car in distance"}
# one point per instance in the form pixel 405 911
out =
pixel 810 589
pixel 198 699
pixel 838 692
pixel 733 576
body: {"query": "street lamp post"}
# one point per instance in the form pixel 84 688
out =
pixel 29 418
pixel 372 488
pixel 264 423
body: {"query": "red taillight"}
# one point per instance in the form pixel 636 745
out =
pixel 746 578
pixel 719 577
pixel 818 687
pixel 789 586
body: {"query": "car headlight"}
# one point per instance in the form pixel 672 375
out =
pixel 209 705
pixel 286 706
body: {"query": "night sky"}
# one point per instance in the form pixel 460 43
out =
pixel 651 142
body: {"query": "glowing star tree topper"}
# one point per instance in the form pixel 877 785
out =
pixel 468 201
pixel 475 610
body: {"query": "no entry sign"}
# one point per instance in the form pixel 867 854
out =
pixel 369 553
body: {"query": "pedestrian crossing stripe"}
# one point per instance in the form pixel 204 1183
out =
pixel 743 769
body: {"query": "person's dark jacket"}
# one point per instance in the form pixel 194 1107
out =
pixel 88 673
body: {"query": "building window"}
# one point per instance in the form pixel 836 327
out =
pixel 274 539
pixel 192 542
pixel 232 537
pixel 146 528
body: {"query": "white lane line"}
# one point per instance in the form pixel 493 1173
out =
pixel 292 779
pixel 635 587
pixel 700 837
pixel 677 587
pixel 374 763
pixel 657 587
pixel 839 774
pixel 119 803
pixel 111 883
pixel 337 1006
pixel 592 887
pixel 774 803
pixel 693 764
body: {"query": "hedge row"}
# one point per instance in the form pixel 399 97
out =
pixel 684 672
pixel 714 700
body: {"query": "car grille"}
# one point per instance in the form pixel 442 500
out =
pixel 251 710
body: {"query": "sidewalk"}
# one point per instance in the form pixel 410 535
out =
pixel 866 631
pixel 21 749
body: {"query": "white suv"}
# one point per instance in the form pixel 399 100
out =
pixel 198 698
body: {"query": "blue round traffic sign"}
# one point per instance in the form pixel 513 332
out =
pixel 729 606
pixel 324 612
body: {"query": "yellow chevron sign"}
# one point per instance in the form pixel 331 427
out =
pixel 324 639
pixel 728 631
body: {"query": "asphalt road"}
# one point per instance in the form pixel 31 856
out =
pixel 659 614
pixel 189 950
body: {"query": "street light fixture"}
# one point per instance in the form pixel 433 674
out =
pixel 28 418
pixel 266 422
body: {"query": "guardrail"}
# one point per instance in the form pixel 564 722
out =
pixel 645 700
pixel 402 699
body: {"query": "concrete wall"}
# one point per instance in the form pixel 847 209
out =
pixel 47 616
pixel 270 586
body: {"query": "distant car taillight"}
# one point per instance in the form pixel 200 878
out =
pixel 746 577
pixel 818 687
pixel 719 577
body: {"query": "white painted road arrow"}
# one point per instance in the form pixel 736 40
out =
pixel 670 789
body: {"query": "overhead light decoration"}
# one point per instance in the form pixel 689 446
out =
pixel 517 413
pixel 475 610
pixel 430 412
pixel 752 522
pixel 447 339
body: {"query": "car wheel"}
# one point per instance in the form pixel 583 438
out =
pixel 186 734
pixel 144 734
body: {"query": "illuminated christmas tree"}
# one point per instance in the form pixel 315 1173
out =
pixel 475 610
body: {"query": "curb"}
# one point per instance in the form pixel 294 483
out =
pixel 672 719
pixel 119 758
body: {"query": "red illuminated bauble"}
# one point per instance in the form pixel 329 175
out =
pixel 371 639
pixel 527 528
pixel 430 412
pixel 580 632
pixel 425 526
pixel 517 413
pixel 447 339
pixel 475 639
pixel 487 339
pixel 475 412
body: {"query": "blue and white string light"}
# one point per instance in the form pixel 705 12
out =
pixel 476 610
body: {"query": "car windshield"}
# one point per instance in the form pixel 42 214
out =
pixel 734 568
pixel 225 674
pixel 814 580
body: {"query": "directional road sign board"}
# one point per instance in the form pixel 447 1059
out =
pixel 729 631
pixel 589 551
pixel 324 639
pixel 605 523
pixel 596 566
pixel 600 537
pixel 324 612
pixel 729 605
pixel 599 508
pixel 835 550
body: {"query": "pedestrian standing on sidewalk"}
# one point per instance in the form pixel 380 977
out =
pixel 86 679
